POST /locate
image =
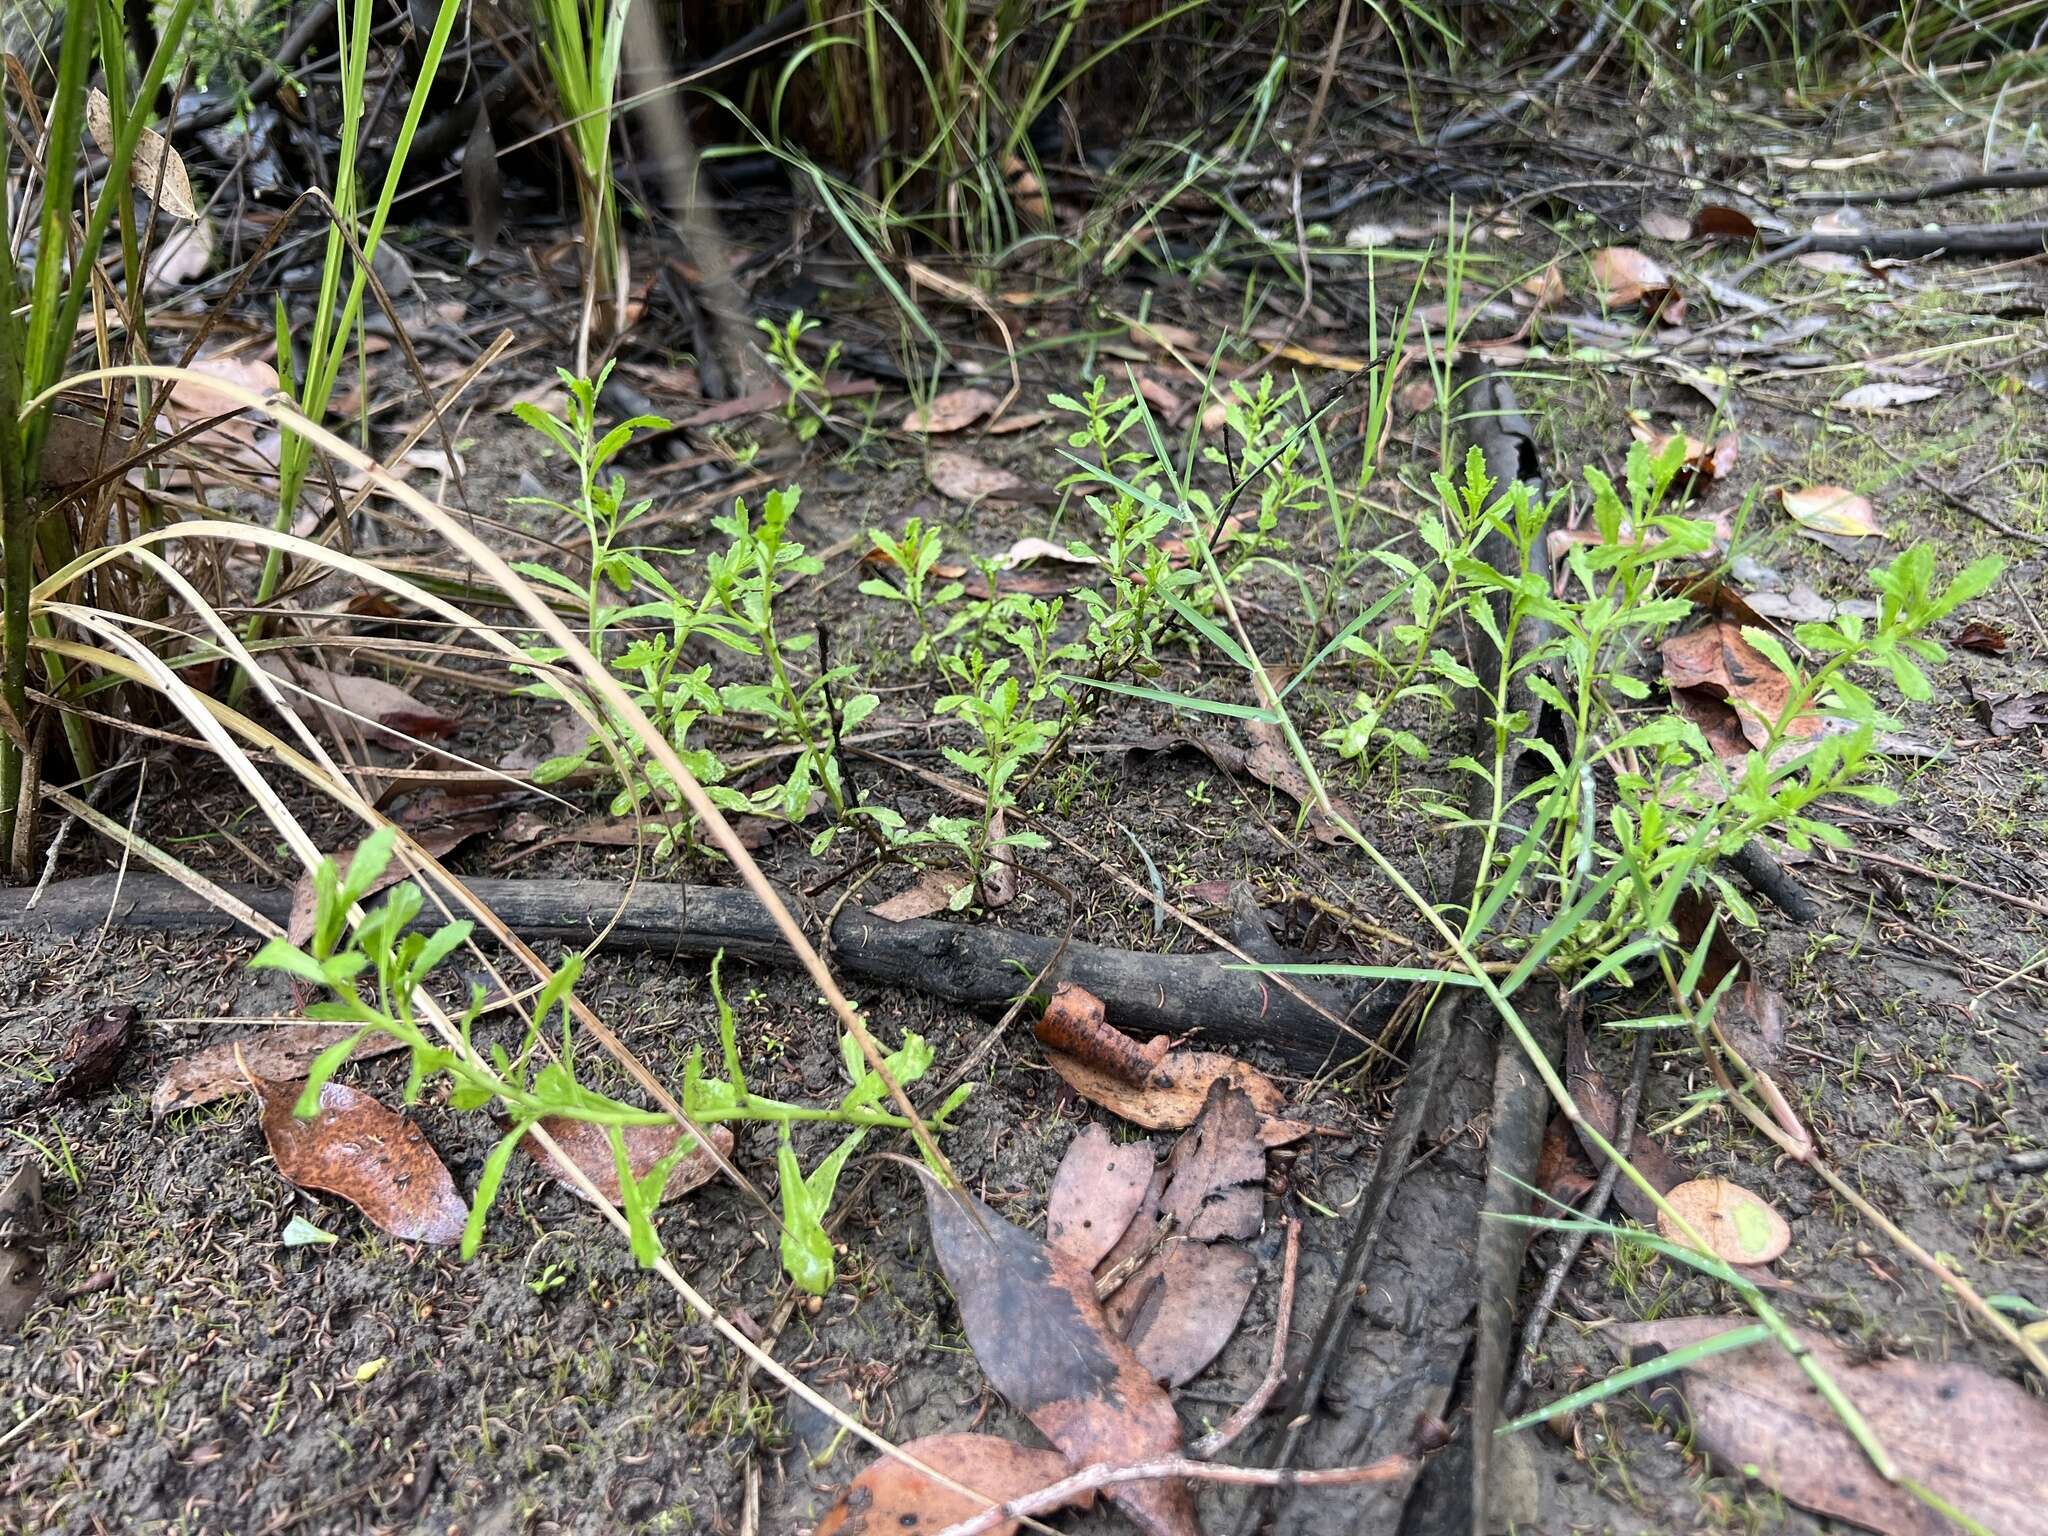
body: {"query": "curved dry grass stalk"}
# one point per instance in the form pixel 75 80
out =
pixel 210 719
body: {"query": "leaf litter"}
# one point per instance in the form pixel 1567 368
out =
pixel 589 1147
pixel 1974 1440
pixel 1097 1192
pixel 1155 1085
pixel 377 1160
pixel 1030 1314
pixel 892 1496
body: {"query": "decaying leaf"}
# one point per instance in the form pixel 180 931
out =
pixel 950 412
pixel 1662 224
pixel 1216 1172
pixel 378 1161
pixel 1625 276
pixel 1704 462
pixel 1717 221
pixel 21 1244
pixel 1075 1023
pixel 181 257
pixel 1023 421
pixel 1885 397
pixel 1984 638
pixel 280 1054
pixel 1977 1442
pixel 1182 1305
pixel 891 1497
pixel 1737 1225
pixel 1273 765
pixel 1100 1187
pixel 1829 510
pixel 154 170
pixel 1716 660
pixel 933 891
pixel 1172 1097
pixel 963 477
pixel 590 1149
pixel 1027 550
pixel 393 714
pixel 439 840
pixel 1751 1014
pixel 2008 714
pixel 191 400
pixel 1030 1314
pixel 78 449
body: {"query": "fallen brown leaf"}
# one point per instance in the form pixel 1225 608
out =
pixel 1022 422
pixel 1661 224
pixel 1751 1013
pixel 1885 397
pixel 1704 462
pixel 1030 1314
pixel 933 892
pixel 950 412
pixel 2008 714
pixel 1182 1305
pixel 1972 1439
pixel 1626 276
pixel 590 1149
pixel 394 715
pixel 1716 659
pixel 154 168
pixel 1830 512
pixel 439 841
pixel 1075 1023
pixel 378 1161
pixel 1736 1224
pixel 279 1054
pixel 963 477
pixel 1216 1172
pixel 892 1497
pixel 1717 221
pixel 1174 1095
pixel 1098 1190
pixel 1984 638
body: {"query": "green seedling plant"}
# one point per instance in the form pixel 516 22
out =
pixel 371 974
pixel 809 403
pixel 743 583
pixel 914 557
pixel 1001 709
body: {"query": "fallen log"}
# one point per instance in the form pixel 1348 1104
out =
pixel 977 965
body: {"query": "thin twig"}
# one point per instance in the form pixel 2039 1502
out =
pixel 1093 1479
pixel 1218 1440
pixel 1575 1241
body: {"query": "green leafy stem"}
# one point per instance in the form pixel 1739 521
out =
pixel 372 974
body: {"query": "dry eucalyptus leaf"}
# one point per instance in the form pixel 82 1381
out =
pixel 1737 1225
pixel 181 257
pixel 1626 276
pixel 1884 397
pixel 951 411
pixel 892 1497
pixel 1031 1316
pixel 963 477
pixel 1096 1194
pixel 398 714
pixel 279 1054
pixel 155 170
pixel 1182 1305
pixel 21 1244
pixel 590 1149
pixel 1717 221
pixel 378 1161
pixel 1660 224
pixel 932 893
pixel 1031 548
pixel 1832 511
pixel 1972 1439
